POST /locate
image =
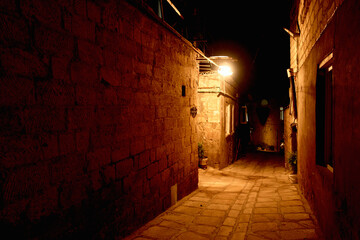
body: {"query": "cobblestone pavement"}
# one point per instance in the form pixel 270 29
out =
pixel 250 199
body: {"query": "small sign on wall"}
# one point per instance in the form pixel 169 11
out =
pixel 193 111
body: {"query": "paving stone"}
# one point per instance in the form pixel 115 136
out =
pixel 180 218
pixel 290 197
pixel 234 189
pixel 307 224
pixel 214 213
pixel 265 189
pixel 234 213
pixel 219 237
pixel 225 230
pixel 268 195
pixel 238 236
pixel 264 226
pixel 247 210
pixel 291 203
pixel 218 206
pixel 194 204
pixel 265 210
pixel 254 237
pixel 202 195
pixel 229 221
pixel 290 226
pixel 293 209
pixel 268 199
pixel 205 220
pixel 299 234
pixel 266 217
pixel 222 201
pixel 242 227
pixel 266 204
pixel 160 232
pixel 200 199
pixel 190 235
pixel 229 196
pixel 244 218
pixel 296 216
pixel 268 235
pixel 250 205
pixel 187 210
pixel 202 229
pixel 171 224
pixel 237 207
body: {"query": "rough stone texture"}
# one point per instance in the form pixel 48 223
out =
pixel 94 130
pixel 329 26
pixel 266 135
pixel 218 145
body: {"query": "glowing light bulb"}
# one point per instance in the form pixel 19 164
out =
pixel 225 70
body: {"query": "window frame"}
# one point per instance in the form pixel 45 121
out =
pixel 325 113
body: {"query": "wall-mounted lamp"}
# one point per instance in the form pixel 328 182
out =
pixel 225 70
pixel 293 35
pixel 290 72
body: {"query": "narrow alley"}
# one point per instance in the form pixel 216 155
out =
pixel 110 110
pixel 250 199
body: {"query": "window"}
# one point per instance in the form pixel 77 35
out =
pixel 281 113
pixel 244 118
pixel 324 113
pixel 229 119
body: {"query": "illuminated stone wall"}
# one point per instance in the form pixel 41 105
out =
pixel 211 122
pixel 326 27
pixel 267 136
pixel 94 129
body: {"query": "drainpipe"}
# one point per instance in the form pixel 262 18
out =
pixel 291 75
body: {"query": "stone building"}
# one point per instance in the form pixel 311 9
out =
pixel 266 122
pixel 95 126
pixel 218 113
pixel 324 45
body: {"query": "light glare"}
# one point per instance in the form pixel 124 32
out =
pixel 225 71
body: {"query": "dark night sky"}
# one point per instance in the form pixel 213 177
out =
pixel 252 32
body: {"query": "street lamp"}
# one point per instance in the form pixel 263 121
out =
pixel 225 70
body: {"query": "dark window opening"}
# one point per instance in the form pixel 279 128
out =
pixel 244 115
pixel 324 114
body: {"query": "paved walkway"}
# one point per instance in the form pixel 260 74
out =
pixel 251 199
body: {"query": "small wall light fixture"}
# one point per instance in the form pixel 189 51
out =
pixel 225 70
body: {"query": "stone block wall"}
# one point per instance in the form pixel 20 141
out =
pixel 218 145
pixel 94 129
pixel 329 27
pixel 310 18
pixel 267 136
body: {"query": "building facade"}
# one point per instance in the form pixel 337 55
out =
pixel 324 37
pixel 96 132
pixel 218 115
pixel 266 123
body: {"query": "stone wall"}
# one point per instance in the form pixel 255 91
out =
pixel 94 129
pixel 267 136
pixel 329 27
pixel 218 145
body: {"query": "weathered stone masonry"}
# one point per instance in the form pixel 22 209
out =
pixel 329 27
pixel 94 128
